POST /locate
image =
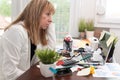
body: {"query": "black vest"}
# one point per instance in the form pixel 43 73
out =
pixel 33 48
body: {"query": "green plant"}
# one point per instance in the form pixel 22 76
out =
pixel 90 26
pixel 82 25
pixel 47 56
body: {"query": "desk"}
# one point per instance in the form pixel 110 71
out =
pixel 34 74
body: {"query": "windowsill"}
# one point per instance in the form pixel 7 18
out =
pixel 106 25
pixel 107 22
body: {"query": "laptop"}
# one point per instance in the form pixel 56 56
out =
pixel 105 51
pixel 106 42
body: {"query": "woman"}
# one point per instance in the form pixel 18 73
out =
pixel 20 38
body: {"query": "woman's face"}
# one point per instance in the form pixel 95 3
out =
pixel 46 19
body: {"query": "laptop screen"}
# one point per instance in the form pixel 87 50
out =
pixel 105 49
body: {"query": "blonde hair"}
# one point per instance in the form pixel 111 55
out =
pixel 31 16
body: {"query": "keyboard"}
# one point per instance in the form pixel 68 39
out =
pixel 68 62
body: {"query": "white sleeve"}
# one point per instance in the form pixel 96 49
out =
pixel 51 36
pixel 12 43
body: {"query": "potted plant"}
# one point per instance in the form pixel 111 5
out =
pixel 47 59
pixel 81 28
pixel 90 29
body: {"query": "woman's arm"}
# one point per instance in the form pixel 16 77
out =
pixel 51 42
pixel 51 36
pixel 12 43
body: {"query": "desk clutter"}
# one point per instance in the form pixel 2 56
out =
pixel 82 70
pixel 81 56
pixel 107 70
pixel 101 49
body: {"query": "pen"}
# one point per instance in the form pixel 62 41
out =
pixel 89 64
pixel 74 56
pixel 85 58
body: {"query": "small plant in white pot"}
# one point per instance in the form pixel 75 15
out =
pixel 47 59
pixel 81 28
pixel 90 29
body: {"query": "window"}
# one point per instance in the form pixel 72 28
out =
pixel 61 18
pixel 111 16
pixel 5 12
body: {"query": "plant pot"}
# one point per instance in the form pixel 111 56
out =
pixel 44 69
pixel 89 34
pixel 82 35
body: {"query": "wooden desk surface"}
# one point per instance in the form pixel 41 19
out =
pixel 34 74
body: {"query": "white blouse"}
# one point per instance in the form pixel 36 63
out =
pixel 15 51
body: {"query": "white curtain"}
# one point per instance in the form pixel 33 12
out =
pixel 74 17
pixel 80 9
pixel 17 7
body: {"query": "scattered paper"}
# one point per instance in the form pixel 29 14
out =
pixel 75 68
pixel 110 40
pixel 84 72
pixel 108 70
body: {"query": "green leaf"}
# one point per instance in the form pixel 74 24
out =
pixel 90 25
pixel 47 56
pixel 82 25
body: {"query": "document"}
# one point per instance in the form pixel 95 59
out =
pixel 108 70
pixel 110 40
